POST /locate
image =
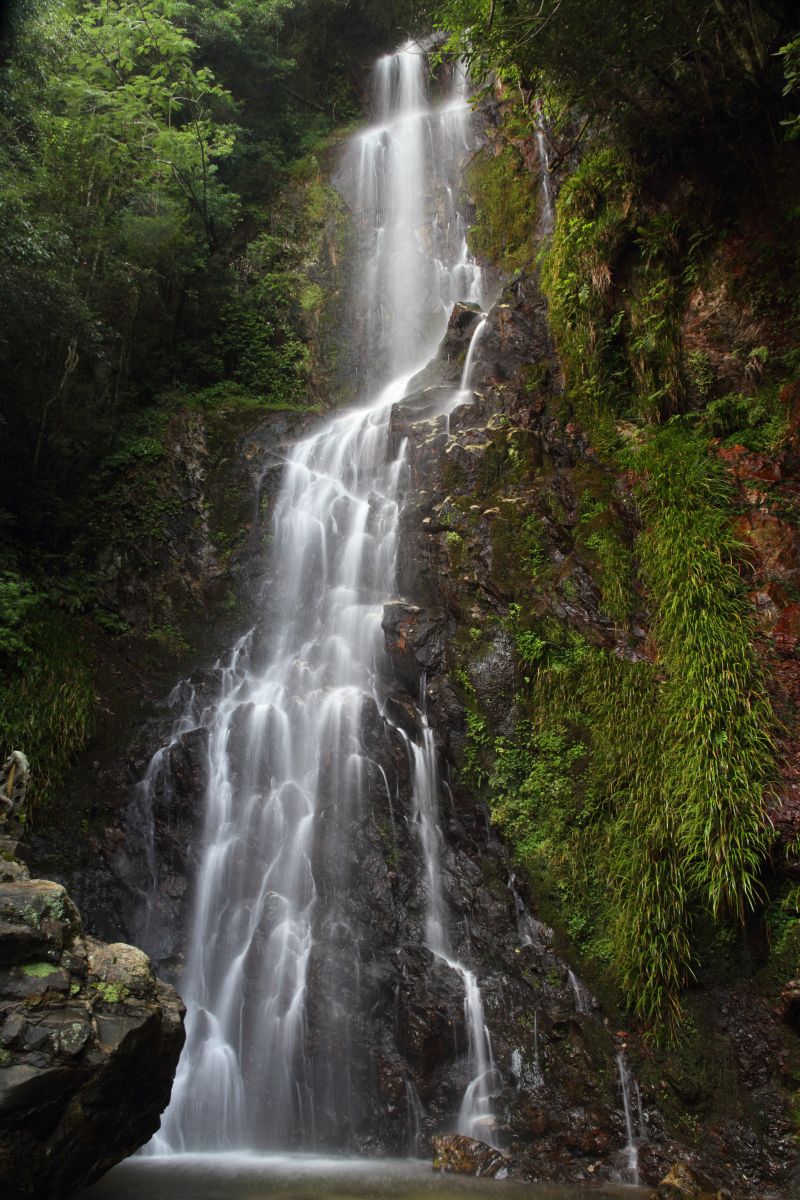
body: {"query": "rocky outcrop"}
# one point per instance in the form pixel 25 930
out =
pixel 89 1043
pixel 465 1156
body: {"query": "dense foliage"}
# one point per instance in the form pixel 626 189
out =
pixel 641 69
pixel 157 208
pixel 637 791
pixel 144 144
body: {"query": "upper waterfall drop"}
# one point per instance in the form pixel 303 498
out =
pixel 282 978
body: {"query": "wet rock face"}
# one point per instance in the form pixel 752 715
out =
pixel 414 641
pixel 499 497
pixel 89 1043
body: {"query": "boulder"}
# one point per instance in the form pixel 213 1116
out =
pixel 89 1044
pixel 790 1003
pixel 682 1182
pixel 466 1156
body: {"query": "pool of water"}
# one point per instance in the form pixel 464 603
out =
pixel 307 1177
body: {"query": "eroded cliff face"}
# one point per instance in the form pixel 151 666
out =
pixel 504 496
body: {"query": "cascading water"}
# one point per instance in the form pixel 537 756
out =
pixel 278 979
pixel 475 1117
pixel 547 218
pixel 635 1136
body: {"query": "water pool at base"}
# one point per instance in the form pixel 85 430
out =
pixel 311 1177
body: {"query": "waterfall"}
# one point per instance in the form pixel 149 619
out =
pixel 581 994
pixel 630 1093
pixel 547 219
pixel 277 976
pixel 475 1118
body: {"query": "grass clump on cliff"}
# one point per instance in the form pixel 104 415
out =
pixel 717 712
pixel 635 789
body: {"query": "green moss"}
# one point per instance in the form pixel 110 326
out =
pixel 111 993
pixel 506 208
pixel 594 222
pixel 38 970
pixel 172 640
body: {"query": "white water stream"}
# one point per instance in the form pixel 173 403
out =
pixel 287 765
pixel 634 1122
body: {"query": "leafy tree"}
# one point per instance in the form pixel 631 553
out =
pixel 651 70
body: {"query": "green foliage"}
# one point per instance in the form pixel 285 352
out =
pixel 47 706
pixel 638 789
pixel 615 573
pixel 474 770
pixel 759 422
pixel 506 209
pixel 593 225
pixel 111 622
pixel 533 788
pixel 170 638
pixel 534 545
pixel 717 712
pixel 655 315
pixel 791 67
pixel 700 372
pixel 17 598
pixel 644 68
pixel 145 147
pixel 783 923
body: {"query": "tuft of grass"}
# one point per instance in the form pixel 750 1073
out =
pixel 717 713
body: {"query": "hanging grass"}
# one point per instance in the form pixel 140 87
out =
pixel 717 714
pixel 638 787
